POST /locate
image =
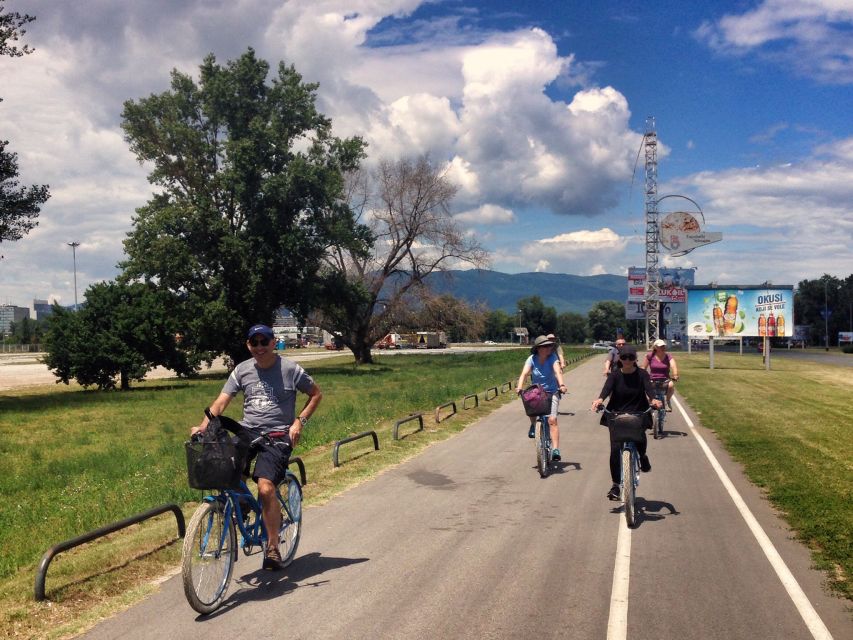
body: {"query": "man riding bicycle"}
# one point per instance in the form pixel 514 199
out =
pixel 269 384
pixel 630 390
pixel 612 363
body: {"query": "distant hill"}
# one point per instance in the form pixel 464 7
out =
pixel 499 290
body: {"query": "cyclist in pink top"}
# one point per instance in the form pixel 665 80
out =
pixel 661 366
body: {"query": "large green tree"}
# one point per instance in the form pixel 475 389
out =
pixel 250 198
pixel 605 318
pixel 122 332
pixel 827 294
pixel 19 205
pixel 571 328
pixel 498 326
pixel 538 318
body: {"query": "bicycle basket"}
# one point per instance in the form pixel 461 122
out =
pixel 536 401
pixel 215 465
pixel 626 427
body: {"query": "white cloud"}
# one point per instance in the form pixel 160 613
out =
pixel 542 266
pixel 486 214
pixel 812 37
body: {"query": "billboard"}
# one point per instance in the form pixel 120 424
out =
pixel 740 311
pixel 672 284
pixel 681 233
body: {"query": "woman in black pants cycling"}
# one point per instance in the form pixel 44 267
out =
pixel 629 389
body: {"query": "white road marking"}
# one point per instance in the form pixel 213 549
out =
pixel 617 622
pixel 816 626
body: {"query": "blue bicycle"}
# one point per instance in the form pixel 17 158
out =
pixel 627 429
pixel 210 546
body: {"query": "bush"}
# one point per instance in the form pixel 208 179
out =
pixel 847 348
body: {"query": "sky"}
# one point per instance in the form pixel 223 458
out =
pixel 537 110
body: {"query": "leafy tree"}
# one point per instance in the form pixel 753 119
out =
pixel 406 205
pixel 250 199
pixel 539 319
pixel 571 328
pixel 19 205
pixel 26 331
pixel 498 326
pixel 605 318
pixel 812 297
pixel 123 331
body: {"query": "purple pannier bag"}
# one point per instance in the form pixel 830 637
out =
pixel 536 401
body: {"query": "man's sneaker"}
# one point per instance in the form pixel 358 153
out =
pixel 272 560
pixel 645 465
pixel 555 455
pixel 532 432
pixel 613 494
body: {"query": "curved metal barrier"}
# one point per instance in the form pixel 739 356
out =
pixel 415 416
pixel 486 396
pixel 298 462
pixel 465 401
pixel 438 409
pixel 506 386
pixel 41 573
pixel 338 444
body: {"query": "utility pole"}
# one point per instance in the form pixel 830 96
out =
pixel 74 246
pixel 652 292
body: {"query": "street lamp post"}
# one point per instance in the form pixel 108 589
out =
pixel 74 246
pixel 825 318
pixel 519 326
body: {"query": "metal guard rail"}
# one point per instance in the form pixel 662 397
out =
pixel 415 416
pixel 41 573
pixel 335 462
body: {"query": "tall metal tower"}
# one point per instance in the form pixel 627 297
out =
pixel 652 293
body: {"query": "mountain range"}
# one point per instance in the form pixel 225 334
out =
pixel 498 290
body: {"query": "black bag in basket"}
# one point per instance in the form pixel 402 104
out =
pixel 215 461
pixel 536 401
pixel 626 427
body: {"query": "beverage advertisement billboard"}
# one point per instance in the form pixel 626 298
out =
pixel 740 311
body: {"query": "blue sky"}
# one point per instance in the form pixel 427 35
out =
pixel 536 109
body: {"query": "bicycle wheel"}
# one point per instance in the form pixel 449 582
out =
pixel 207 559
pixel 628 486
pixel 661 417
pixel 289 495
pixel 541 450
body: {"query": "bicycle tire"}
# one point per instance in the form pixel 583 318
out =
pixel 661 418
pixel 628 486
pixel 541 450
pixel 289 494
pixel 207 557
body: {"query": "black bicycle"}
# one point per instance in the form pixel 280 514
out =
pixel 659 417
pixel 627 429
pixel 543 446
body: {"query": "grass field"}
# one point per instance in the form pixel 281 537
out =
pixel 74 460
pixel 789 428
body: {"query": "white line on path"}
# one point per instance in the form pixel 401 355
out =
pixel 810 617
pixel 617 622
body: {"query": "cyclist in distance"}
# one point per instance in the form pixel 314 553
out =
pixel 661 366
pixel 630 389
pixel 558 350
pixel 612 363
pixel 269 384
pixel 543 367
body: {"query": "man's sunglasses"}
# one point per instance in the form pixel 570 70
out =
pixel 262 341
pixel 628 356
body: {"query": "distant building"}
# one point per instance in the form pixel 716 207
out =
pixel 283 318
pixel 10 313
pixel 41 308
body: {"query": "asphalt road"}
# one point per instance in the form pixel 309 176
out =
pixel 466 541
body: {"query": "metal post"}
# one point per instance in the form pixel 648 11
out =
pixel 652 287
pixel 825 317
pixel 74 246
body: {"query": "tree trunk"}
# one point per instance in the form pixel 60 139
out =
pixel 125 381
pixel 361 351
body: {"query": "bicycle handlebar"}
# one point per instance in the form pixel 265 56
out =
pixel 602 409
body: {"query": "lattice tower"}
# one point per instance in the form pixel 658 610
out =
pixel 652 293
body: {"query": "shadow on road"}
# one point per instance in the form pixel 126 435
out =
pixel 266 585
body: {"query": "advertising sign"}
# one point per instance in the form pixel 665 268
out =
pixel 845 336
pixel 672 284
pixel 680 233
pixel 740 311
pixel 801 332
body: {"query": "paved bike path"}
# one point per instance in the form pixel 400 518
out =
pixel 465 540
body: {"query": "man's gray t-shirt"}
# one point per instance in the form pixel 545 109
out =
pixel 269 395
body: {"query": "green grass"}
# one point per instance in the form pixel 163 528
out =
pixel 75 460
pixel 789 428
